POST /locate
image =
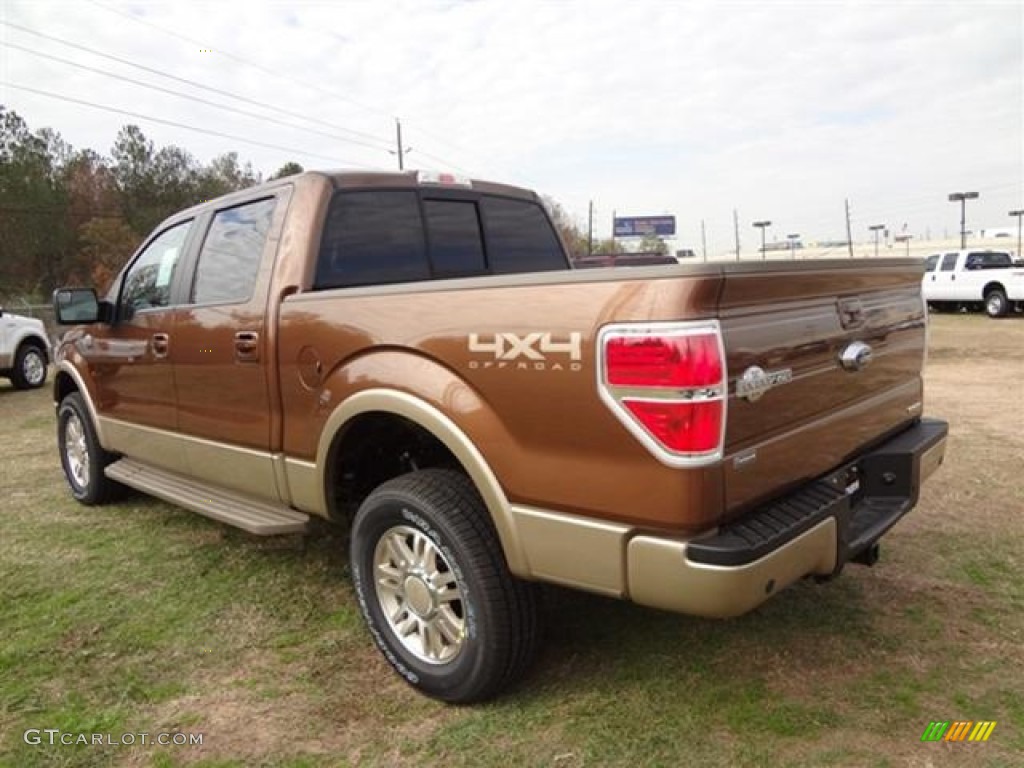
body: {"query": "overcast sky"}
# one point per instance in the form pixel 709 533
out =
pixel 780 110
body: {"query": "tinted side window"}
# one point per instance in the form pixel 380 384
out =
pixel 519 237
pixel 931 262
pixel 949 262
pixel 147 283
pixel 989 260
pixel 372 238
pixel 232 252
pixel 456 248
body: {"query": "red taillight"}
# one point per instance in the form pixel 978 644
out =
pixel 667 384
pixel 680 427
pixel 663 361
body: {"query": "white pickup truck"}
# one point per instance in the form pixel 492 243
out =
pixel 973 278
pixel 24 350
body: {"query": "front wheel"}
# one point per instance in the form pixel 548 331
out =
pixel 435 590
pixel 996 304
pixel 81 454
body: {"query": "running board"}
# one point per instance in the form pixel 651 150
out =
pixel 258 517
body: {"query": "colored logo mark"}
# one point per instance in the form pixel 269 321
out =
pixel 959 730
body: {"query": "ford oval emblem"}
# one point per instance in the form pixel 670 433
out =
pixel 855 355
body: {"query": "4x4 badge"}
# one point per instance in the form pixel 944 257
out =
pixel 755 381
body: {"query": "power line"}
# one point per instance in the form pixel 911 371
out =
pixel 241 60
pixel 162 121
pixel 190 97
pixel 282 76
pixel 186 81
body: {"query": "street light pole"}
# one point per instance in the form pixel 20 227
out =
pixel 1019 213
pixel 792 244
pixel 904 239
pixel 962 198
pixel 762 225
pixel 876 228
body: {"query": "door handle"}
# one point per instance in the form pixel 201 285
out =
pixel 161 344
pixel 247 346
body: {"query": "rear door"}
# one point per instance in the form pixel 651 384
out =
pixel 223 356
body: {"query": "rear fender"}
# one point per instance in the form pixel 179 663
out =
pixel 432 397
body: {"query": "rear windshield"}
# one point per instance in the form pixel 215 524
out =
pixel 377 237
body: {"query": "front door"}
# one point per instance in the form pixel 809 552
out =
pixel 945 282
pixel 130 361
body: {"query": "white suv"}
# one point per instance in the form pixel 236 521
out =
pixel 24 350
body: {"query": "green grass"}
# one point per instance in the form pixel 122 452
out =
pixel 139 617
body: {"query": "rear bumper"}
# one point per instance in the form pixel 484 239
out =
pixel 814 531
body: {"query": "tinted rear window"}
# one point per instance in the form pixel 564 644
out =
pixel 988 260
pixel 456 247
pixel 372 238
pixel 949 262
pixel 519 237
pixel 931 262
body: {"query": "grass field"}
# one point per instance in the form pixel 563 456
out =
pixel 139 617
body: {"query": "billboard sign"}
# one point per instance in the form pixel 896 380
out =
pixel 638 226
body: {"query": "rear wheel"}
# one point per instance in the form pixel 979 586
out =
pixel 81 454
pixel 435 590
pixel 29 367
pixel 996 304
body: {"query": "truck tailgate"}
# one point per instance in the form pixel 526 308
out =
pixel 795 410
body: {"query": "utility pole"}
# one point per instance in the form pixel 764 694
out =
pixel 962 198
pixel 704 241
pixel 590 229
pixel 1019 213
pixel 762 225
pixel 736 226
pixel 849 235
pixel 401 150
pixel 876 228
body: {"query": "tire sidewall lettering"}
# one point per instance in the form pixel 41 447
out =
pixel 371 624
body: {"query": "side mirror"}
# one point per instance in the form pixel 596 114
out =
pixel 76 306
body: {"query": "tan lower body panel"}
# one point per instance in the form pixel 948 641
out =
pixel 613 560
pixel 573 551
pixel 932 459
pixel 660 576
pixel 152 446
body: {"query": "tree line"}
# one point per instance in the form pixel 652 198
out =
pixel 73 216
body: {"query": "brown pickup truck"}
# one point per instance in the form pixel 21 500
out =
pixel 412 357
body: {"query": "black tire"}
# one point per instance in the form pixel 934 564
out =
pixel 89 486
pixel 497 613
pixel 996 304
pixel 29 370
